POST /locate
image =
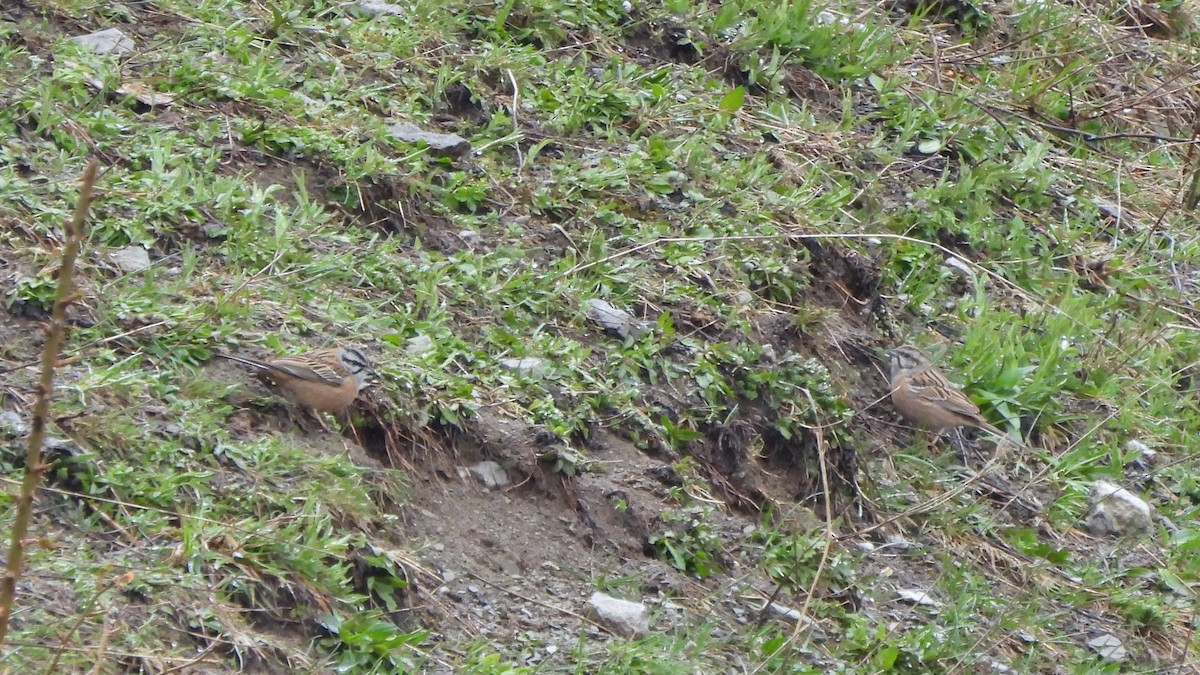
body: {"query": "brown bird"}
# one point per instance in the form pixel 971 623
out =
pixel 923 396
pixel 323 380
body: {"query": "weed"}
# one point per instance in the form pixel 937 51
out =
pixel 666 157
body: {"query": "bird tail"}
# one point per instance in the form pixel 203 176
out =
pixel 257 365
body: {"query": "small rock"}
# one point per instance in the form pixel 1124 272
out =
pixel 419 345
pixel 469 237
pixel 1115 511
pixel 630 619
pixel 786 612
pixel 793 615
pixel 529 366
pixel 441 145
pixel 742 298
pixel 11 425
pixel 959 267
pixel 109 41
pixel 375 8
pixel 1142 455
pixel 214 230
pixel 1108 647
pixel 130 258
pixel 917 596
pixel 1107 208
pixel 491 474
pixel 616 321
pixel 60 446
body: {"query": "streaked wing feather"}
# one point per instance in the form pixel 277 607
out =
pixel 938 389
pixel 961 406
pixel 312 372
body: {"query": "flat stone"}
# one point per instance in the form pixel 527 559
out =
pixel 376 8
pixel 530 366
pixel 442 145
pixel 630 619
pixel 917 597
pixel 742 298
pixel 1108 647
pixel 1112 210
pixel 490 474
pixel 130 258
pixel 108 41
pixel 12 425
pixel 616 321
pixel 419 345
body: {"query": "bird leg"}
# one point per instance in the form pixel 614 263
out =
pixel 960 446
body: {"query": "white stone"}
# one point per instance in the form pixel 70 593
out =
pixel 491 474
pixel 130 258
pixel 378 8
pixel 917 596
pixel 1115 511
pixel 630 619
pixel 442 145
pixel 109 41
pixel 1108 647
pixel 419 345
pixel 529 366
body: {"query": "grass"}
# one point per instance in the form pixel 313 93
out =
pixel 779 191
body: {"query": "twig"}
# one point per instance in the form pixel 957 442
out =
pixel 99 660
pixel 41 409
pixel 1095 138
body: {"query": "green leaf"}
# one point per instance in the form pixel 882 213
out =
pixel 773 645
pixel 886 659
pixel 733 100
pixel 929 146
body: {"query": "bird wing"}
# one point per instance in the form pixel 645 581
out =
pixel 957 403
pixel 305 370
pixel 937 389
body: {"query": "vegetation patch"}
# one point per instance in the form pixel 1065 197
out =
pixel 762 197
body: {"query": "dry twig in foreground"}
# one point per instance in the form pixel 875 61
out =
pixel 55 333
